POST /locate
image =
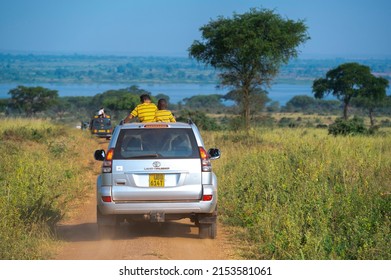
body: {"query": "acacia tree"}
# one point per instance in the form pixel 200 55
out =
pixel 248 49
pixel 348 81
pixel 373 96
pixel 32 99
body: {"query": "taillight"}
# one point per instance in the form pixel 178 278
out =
pixel 205 161
pixel 207 197
pixel 108 162
pixel 106 198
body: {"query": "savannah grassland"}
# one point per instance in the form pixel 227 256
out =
pixel 43 170
pixel 284 193
pixel 302 194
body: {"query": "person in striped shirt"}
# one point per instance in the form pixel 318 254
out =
pixel 162 114
pixel 145 111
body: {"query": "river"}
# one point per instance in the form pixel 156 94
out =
pixel 177 92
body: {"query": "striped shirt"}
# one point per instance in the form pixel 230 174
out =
pixel 164 116
pixel 145 112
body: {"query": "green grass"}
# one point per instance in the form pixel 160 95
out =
pixel 302 194
pixel 283 193
pixel 41 171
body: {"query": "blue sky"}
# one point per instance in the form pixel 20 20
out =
pixel 168 27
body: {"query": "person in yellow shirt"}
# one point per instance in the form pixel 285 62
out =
pixel 145 111
pixel 162 114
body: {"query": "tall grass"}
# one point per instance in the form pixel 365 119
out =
pixel 287 193
pixel 302 194
pixel 42 167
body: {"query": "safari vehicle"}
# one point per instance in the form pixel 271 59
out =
pixel 157 172
pixel 101 126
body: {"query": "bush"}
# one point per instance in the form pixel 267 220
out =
pixel 199 118
pixel 288 122
pixel 348 127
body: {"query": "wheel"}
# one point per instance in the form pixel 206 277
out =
pixel 207 231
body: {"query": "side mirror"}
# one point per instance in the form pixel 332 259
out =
pixel 100 155
pixel 214 153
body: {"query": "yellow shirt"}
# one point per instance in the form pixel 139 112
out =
pixel 145 112
pixel 164 116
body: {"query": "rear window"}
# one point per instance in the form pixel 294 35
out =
pixel 156 143
pixel 101 122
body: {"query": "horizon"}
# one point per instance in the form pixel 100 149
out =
pixel 178 55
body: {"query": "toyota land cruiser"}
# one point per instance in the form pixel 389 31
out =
pixel 157 172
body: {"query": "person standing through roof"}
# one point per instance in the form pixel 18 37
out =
pixel 162 114
pixel 101 112
pixel 145 111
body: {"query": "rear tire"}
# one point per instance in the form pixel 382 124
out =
pixel 207 230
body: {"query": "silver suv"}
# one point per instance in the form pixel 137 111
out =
pixel 157 172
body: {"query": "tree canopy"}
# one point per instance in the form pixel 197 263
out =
pixel 204 101
pixel 373 96
pixel 249 49
pixel 348 81
pixel 119 100
pixel 31 100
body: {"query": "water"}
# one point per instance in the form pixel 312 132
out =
pixel 177 92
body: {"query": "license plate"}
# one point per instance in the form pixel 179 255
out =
pixel 101 130
pixel 156 180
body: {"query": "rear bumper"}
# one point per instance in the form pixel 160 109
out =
pixel 142 208
pixel 102 135
pixel 173 207
pixel 148 207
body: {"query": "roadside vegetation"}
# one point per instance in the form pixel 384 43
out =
pixel 303 194
pixel 284 192
pixel 44 167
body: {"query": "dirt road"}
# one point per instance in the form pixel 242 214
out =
pixel 169 241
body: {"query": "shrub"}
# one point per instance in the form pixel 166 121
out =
pixel 348 127
pixel 199 118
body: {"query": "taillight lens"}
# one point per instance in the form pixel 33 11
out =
pixel 207 197
pixel 106 198
pixel 108 162
pixel 205 161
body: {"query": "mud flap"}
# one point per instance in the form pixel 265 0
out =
pixel 207 219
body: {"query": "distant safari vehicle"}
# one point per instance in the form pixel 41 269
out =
pixel 101 126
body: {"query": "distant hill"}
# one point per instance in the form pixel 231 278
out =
pixel 32 68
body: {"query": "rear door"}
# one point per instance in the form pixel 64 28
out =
pixel 101 126
pixel 160 164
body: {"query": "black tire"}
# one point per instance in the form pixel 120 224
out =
pixel 207 231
